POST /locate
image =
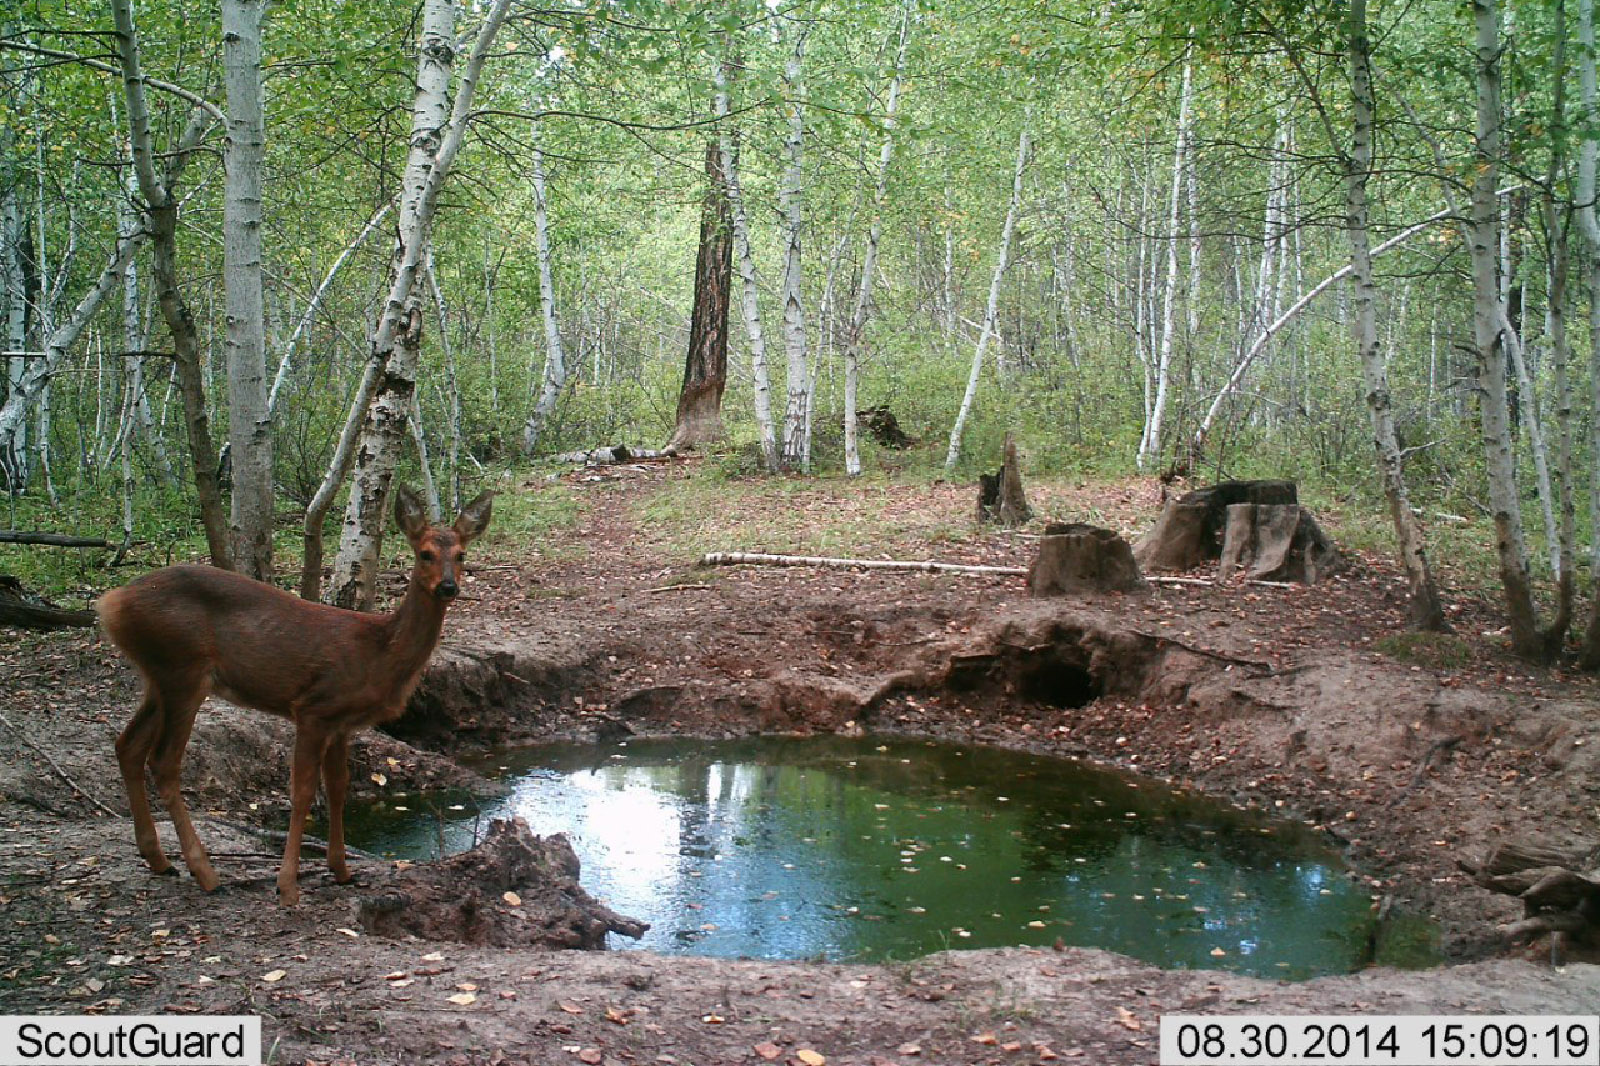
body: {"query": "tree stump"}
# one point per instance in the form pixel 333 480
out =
pixel 1000 495
pixel 19 608
pixel 1275 542
pixel 1559 886
pixel 1189 531
pixel 884 427
pixel 1074 557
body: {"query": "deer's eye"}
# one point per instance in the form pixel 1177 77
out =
pixel 426 556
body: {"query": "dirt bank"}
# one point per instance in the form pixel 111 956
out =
pixel 1265 696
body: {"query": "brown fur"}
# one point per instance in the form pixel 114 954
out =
pixel 192 631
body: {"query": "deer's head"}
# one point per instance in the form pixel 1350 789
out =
pixel 440 550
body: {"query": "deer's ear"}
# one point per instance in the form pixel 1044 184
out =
pixel 410 513
pixel 474 517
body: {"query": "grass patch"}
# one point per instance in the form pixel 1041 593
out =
pixel 1436 651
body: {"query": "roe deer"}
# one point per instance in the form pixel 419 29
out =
pixel 195 630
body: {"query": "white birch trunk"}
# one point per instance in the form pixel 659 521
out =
pixel 869 259
pixel 1425 609
pixel 744 260
pixel 791 196
pixel 953 455
pixel 1589 226
pixel 1488 312
pixel 436 134
pixel 249 421
pixel 1150 449
pixel 454 399
pixel 554 378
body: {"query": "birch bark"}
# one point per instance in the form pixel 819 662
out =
pixel 1426 612
pixel 1488 314
pixel 554 378
pixel 1150 447
pixel 249 419
pixel 869 258
pixel 991 310
pixel 749 304
pixel 436 133
pixel 791 196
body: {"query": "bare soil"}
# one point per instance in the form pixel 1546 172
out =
pixel 1264 696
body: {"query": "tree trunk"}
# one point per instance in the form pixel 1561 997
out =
pixel 1425 610
pixel 249 423
pixel 749 307
pixel 1150 446
pixel 554 378
pixel 1589 226
pixel 794 315
pixel 1488 316
pixel 705 368
pixel 436 133
pixel 991 311
pixel 869 259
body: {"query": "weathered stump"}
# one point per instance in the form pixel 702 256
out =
pixel 1000 495
pixel 1189 531
pixel 1275 542
pixel 1074 557
pixel 513 890
pixel 1559 886
pixel 884 427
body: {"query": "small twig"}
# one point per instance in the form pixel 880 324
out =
pixel 680 588
pixel 59 771
pixel 763 559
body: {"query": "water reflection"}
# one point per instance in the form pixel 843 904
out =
pixel 789 848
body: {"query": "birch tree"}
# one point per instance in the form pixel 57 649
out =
pixel 749 299
pixel 1488 316
pixel 791 198
pixel 1150 445
pixel 554 378
pixel 437 130
pixel 249 421
pixel 1589 226
pixel 869 258
pixel 158 187
pixel 1426 612
pixel 992 308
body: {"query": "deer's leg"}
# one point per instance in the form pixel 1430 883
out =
pixel 133 753
pixel 166 766
pixel 335 783
pixel 310 742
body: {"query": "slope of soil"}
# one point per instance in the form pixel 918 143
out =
pixel 1261 695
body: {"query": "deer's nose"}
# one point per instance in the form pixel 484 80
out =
pixel 447 589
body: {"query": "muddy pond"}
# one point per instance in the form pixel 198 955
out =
pixel 875 850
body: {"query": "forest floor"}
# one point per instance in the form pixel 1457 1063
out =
pixel 1411 757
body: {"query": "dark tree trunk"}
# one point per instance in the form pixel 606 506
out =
pixel 186 349
pixel 705 370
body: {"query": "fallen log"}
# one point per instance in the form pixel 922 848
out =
pixel 56 540
pixel 762 559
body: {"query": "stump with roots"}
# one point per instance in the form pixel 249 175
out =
pixel 1189 531
pixel 1257 527
pixel 1275 542
pixel 1074 557
pixel 1559 887
pixel 1000 495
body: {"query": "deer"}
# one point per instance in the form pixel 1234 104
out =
pixel 192 631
